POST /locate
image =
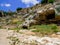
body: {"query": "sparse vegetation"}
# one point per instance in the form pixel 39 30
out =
pixel 45 29
pixel 14 19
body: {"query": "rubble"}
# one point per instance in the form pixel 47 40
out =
pixel 29 39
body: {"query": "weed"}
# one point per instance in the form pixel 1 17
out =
pixel 45 29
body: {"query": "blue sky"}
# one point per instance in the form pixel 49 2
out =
pixel 13 4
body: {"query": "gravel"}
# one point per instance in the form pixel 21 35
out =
pixel 35 40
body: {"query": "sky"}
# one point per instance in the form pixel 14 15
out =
pixel 12 5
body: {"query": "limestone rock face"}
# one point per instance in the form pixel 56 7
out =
pixel 46 12
pixel 57 7
pixel 28 23
pixel 57 0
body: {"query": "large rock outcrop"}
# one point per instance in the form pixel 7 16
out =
pixel 46 12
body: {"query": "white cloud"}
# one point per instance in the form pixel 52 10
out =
pixel 6 5
pixel 28 2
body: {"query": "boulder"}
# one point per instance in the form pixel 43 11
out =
pixel 26 24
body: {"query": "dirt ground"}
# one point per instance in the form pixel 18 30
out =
pixel 3 37
pixel 24 35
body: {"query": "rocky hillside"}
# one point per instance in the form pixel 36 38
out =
pixel 12 33
pixel 26 15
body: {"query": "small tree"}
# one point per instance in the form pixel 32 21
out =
pixel 47 1
pixel 51 1
pixel 19 9
pixel 44 1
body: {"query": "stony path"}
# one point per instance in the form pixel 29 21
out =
pixel 27 38
pixel 3 37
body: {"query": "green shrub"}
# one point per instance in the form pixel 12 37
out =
pixel 44 1
pixel 45 29
pixel 54 28
pixel 51 1
pixel 19 9
pixel 47 1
